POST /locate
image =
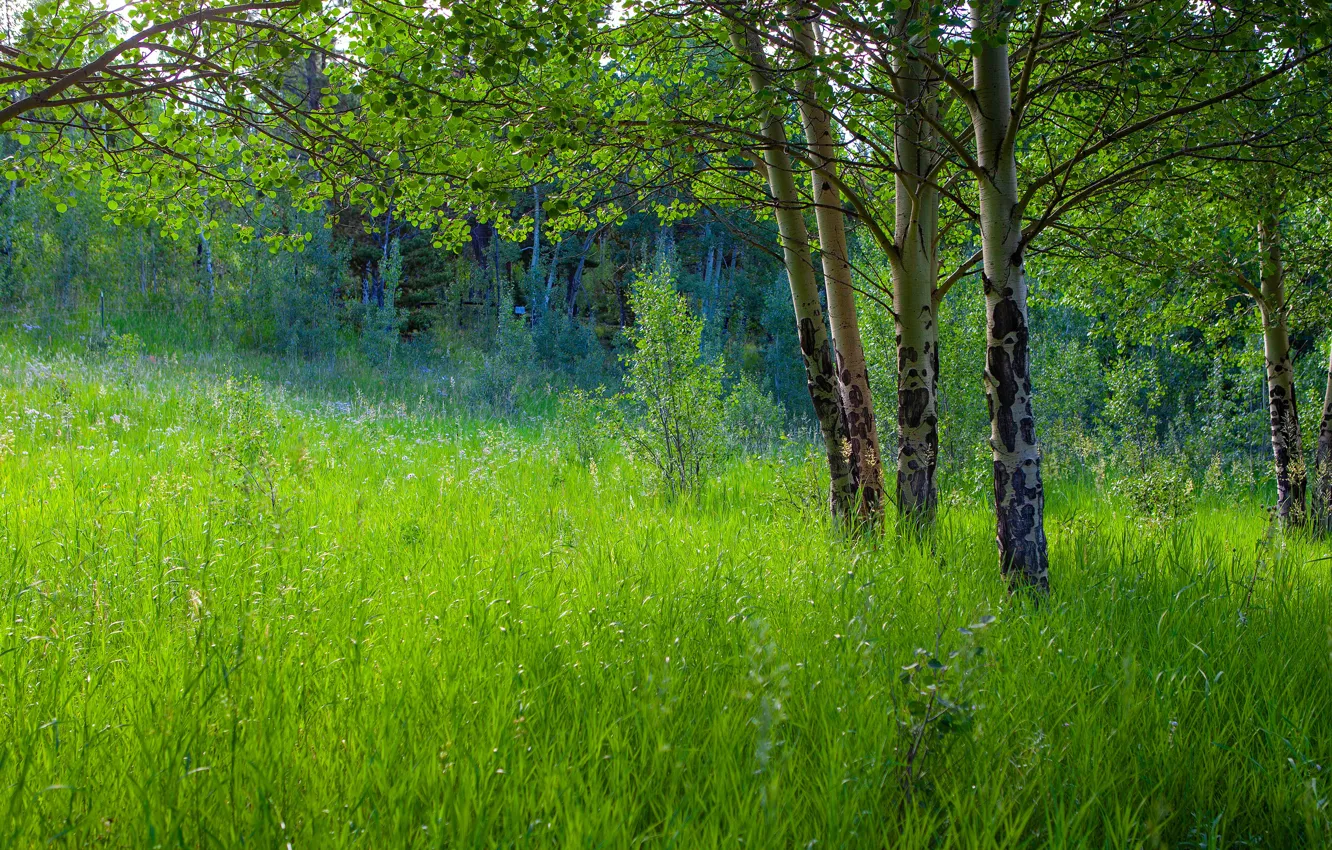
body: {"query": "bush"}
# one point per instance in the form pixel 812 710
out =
pixel 508 369
pixel 381 324
pixel 245 425
pixel 1159 488
pixel 753 418
pixel 585 415
pixel 672 410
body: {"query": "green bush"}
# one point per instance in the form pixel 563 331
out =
pixel 753 418
pixel 381 325
pixel 508 368
pixel 672 411
pixel 585 416
pixel 1156 486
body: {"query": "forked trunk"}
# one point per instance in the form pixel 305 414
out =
pixel 1322 500
pixel 848 349
pixel 1019 495
pixel 1287 448
pixel 914 279
pixel 820 374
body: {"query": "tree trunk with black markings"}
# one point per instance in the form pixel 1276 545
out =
pixel 853 384
pixel 1019 495
pixel 1287 447
pixel 820 374
pixel 914 280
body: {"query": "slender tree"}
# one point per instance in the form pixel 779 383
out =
pixel 856 399
pixel 815 348
pixel 1322 496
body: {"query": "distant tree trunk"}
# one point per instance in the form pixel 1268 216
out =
pixel 1322 501
pixel 550 276
pixel 382 263
pixel 534 264
pixel 206 255
pixel 820 373
pixel 709 288
pixel 576 278
pixel 1287 449
pixel 915 276
pixel 1019 495
pixel 849 351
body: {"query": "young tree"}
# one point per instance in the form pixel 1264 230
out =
pixel 1322 495
pixel 675 394
pixel 1244 220
pixel 824 384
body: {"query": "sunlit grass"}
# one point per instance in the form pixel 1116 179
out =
pixel 232 615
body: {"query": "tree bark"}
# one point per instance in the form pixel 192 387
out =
pixel 576 277
pixel 1019 495
pixel 550 277
pixel 1287 447
pixel 1322 499
pixel 848 349
pixel 534 262
pixel 915 276
pixel 820 374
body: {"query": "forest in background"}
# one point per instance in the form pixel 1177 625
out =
pixel 1119 392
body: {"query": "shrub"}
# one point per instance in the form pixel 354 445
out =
pixel 753 418
pixel 508 369
pixel 672 410
pixel 245 426
pixel 585 415
pixel 381 323
pixel 1157 488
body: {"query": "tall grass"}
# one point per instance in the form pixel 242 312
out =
pixel 231 615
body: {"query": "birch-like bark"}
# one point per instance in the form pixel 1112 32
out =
pixel 534 264
pixel 1287 448
pixel 915 275
pixel 550 277
pixel 1322 500
pixel 576 277
pixel 206 250
pixel 820 374
pixel 1019 495
pixel 848 349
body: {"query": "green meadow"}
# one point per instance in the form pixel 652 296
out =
pixel 234 612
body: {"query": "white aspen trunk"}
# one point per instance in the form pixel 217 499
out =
pixel 1287 446
pixel 915 276
pixel 848 349
pixel 550 277
pixel 820 373
pixel 1019 495
pixel 576 278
